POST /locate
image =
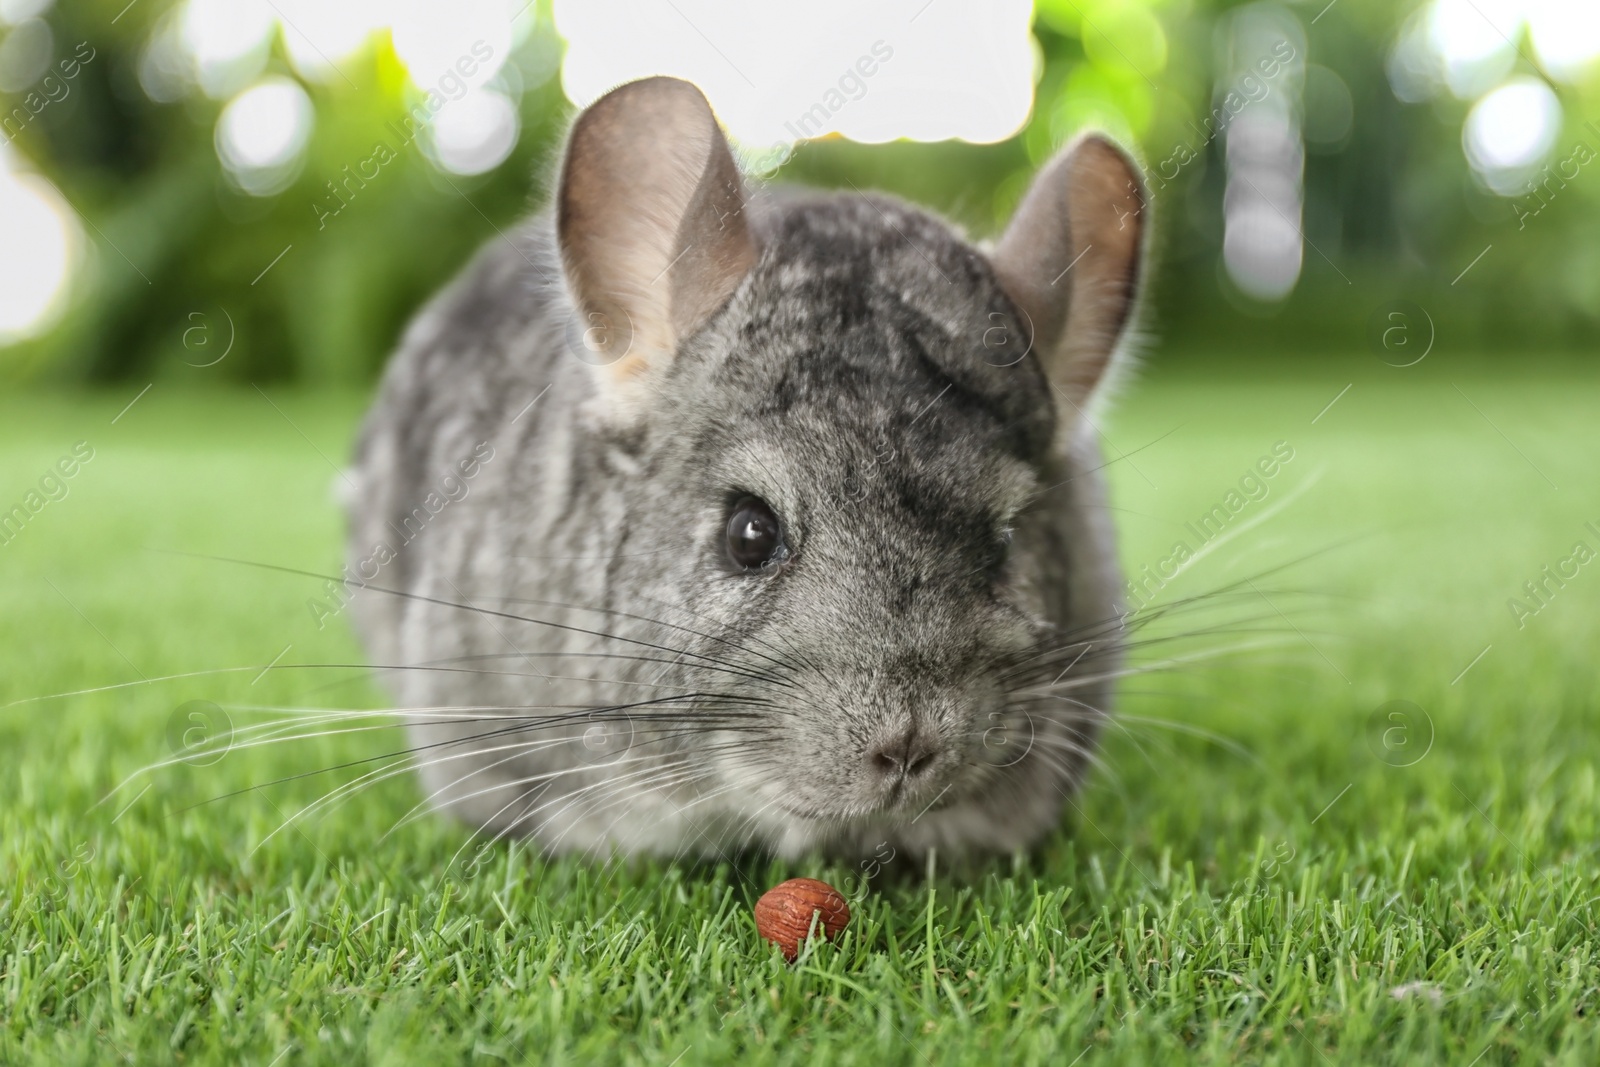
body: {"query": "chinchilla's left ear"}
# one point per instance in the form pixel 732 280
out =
pixel 1071 260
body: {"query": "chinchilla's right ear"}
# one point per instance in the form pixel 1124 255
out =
pixel 650 218
pixel 1071 260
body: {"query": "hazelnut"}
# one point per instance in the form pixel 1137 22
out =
pixel 784 913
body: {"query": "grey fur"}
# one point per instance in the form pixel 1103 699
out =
pixel 851 381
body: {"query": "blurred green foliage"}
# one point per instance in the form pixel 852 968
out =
pixel 1391 207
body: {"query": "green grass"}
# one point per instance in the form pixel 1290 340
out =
pixel 1252 883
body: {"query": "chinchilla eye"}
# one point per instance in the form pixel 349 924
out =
pixel 755 536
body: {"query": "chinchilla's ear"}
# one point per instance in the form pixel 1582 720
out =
pixel 650 216
pixel 1071 261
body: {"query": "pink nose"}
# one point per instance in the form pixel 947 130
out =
pixel 904 756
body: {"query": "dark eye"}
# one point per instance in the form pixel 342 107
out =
pixel 755 537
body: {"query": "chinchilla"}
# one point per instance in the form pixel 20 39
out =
pixel 689 520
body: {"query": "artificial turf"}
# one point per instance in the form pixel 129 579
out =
pixel 1269 865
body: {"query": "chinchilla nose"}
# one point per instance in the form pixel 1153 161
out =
pixel 905 755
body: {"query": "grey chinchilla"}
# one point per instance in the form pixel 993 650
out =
pixel 691 520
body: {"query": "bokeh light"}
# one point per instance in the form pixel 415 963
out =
pixel 1566 36
pixel 1467 47
pixel 25 54
pixel 1264 199
pixel 262 135
pixel 1509 133
pixel 1473 39
pixel 16 11
pixel 463 42
pixel 41 246
pixel 319 35
pixel 780 74
pixel 228 42
pixel 1498 78
pixel 475 133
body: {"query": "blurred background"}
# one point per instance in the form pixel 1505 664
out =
pixel 264 190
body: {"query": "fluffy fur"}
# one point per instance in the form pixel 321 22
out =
pixel 580 661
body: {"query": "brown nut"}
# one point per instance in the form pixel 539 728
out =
pixel 784 913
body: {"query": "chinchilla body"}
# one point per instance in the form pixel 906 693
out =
pixel 690 521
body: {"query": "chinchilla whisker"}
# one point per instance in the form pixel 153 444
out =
pixel 261 734
pixel 635 618
pixel 282 731
pixel 1105 642
pixel 592 800
pixel 594 559
pixel 253 669
pixel 593 851
pixel 337 794
pixel 1056 755
pixel 589 807
pixel 1148 623
pixel 1265 637
pixel 518 751
pixel 649 619
pixel 521 748
pixel 1096 759
pixel 404 714
pixel 1088 652
pixel 751 821
pixel 1130 511
pixel 741 782
pixel 544 722
pixel 332 796
pixel 1225 629
pixel 369 673
pixel 1104 770
pixel 1095 756
pixel 1108 463
pixel 1089 716
pixel 1125 723
pixel 439 667
pixel 405 765
pixel 254 737
pixel 709 715
pixel 726 667
pixel 1171 663
pixel 1246 583
pixel 687 778
pixel 739 834
pixel 212 672
pixel 457 605
pixel 479 672
pixel 1102 763
pixel 1061 754
pixel 378 775
pixel 624 785
pixel 705 720
pixel 1282 609
pixel 1242 589
pixel 662 622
